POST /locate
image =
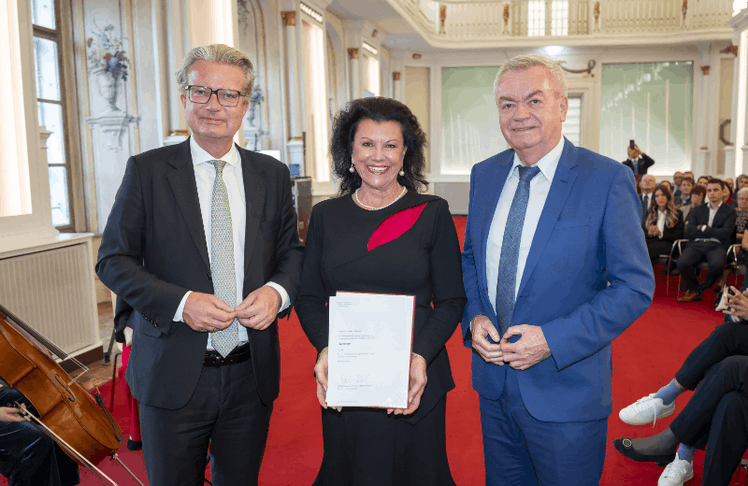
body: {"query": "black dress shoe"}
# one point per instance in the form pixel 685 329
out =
pixel 626 447
pixel 134 445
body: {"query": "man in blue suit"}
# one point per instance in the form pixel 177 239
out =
pixel 555 267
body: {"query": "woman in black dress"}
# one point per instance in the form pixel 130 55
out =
pixel 380 235
pixel 664 223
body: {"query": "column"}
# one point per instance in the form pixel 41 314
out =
pixel 396 85
pixel 355 72
pixel 704 163
pixel 294 106
pixel 735 156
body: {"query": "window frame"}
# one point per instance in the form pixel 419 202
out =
pixel 57 36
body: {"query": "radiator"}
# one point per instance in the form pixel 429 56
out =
pixel 52 291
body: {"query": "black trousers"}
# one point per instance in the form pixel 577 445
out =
pixel 717 415
pixel 696 252
pixel 225 413
pixel 657 247
pixel 27 456
pixel 728 339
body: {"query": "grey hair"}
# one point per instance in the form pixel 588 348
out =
pixel 524 61
pixel 742 191
pixel 217 53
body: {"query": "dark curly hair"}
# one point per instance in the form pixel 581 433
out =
pixel 380 110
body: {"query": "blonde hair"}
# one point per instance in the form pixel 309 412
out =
pixel 525 61
pixel 217 53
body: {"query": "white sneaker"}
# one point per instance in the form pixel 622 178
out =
pixel 646 410
pixel 676 473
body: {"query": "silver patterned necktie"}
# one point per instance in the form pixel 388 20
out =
pixel 509 258
pixel 222 266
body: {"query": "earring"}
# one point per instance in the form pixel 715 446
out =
pixel 351 169
pixel 401 173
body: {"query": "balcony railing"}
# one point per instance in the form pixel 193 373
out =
pixel 632 21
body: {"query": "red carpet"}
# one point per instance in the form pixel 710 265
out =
pixel 645 357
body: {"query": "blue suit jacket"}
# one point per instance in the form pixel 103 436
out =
pixel 589 234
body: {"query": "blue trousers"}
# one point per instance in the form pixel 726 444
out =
pixel 522 451
pixel 27 456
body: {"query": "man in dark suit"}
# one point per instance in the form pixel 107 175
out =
pixel 202 243
pixel 709 228
pixel 715 417
pixel 553 246
pixel 638 161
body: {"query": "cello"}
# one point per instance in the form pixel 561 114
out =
pixel 77 421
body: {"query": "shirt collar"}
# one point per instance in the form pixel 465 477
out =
pixel 201 156
pixel 547 164
pixel 715 209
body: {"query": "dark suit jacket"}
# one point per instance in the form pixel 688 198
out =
pixel 644 163
pixel 722 227
pixel 589 234
pixel 154 250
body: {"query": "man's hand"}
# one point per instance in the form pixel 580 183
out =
pixel 491 353
pixel 737 303
pixel 259 309
pixel 418 381
pixel 320 374
pixel 127 331
pixel 207 313
pixel 10 414
pixel 530 350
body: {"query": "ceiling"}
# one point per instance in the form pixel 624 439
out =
pixel 396 31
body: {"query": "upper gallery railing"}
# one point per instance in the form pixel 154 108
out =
pixel 633 21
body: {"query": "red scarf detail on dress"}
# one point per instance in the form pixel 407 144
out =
pixel 395 226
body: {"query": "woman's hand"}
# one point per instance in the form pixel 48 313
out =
pixel 320 373
pixel 654 230
pixel 418 381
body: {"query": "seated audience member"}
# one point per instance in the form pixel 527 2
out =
pixel 647 184
pixel 703 181
pixel 668 184
pixel 663 224
pixel 709 230
pixel 742 213
pixel 27 456
pixel 698 196
pixel 677 179
pixel 742 181
pixel 684 199
pixel 716 416
pixel 638 161
pixel 727 196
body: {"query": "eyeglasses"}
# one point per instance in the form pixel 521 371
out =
pixel 202 94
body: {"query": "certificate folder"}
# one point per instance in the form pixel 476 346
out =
pixel 369 349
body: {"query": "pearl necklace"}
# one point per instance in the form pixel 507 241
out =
pixel 372 208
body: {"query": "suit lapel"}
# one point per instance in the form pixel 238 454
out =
pixel 561 186
pixel 254 195
pixel 489 194
pixel 182 181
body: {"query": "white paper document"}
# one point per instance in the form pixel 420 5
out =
pixel 369 350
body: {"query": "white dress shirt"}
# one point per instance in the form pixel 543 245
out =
pixel 205 175
pixel 661 222
pixel 540 186
pixel 712 214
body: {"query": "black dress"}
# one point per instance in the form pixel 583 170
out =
pixel 367 446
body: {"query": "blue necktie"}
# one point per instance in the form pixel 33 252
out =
pixel 507 280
